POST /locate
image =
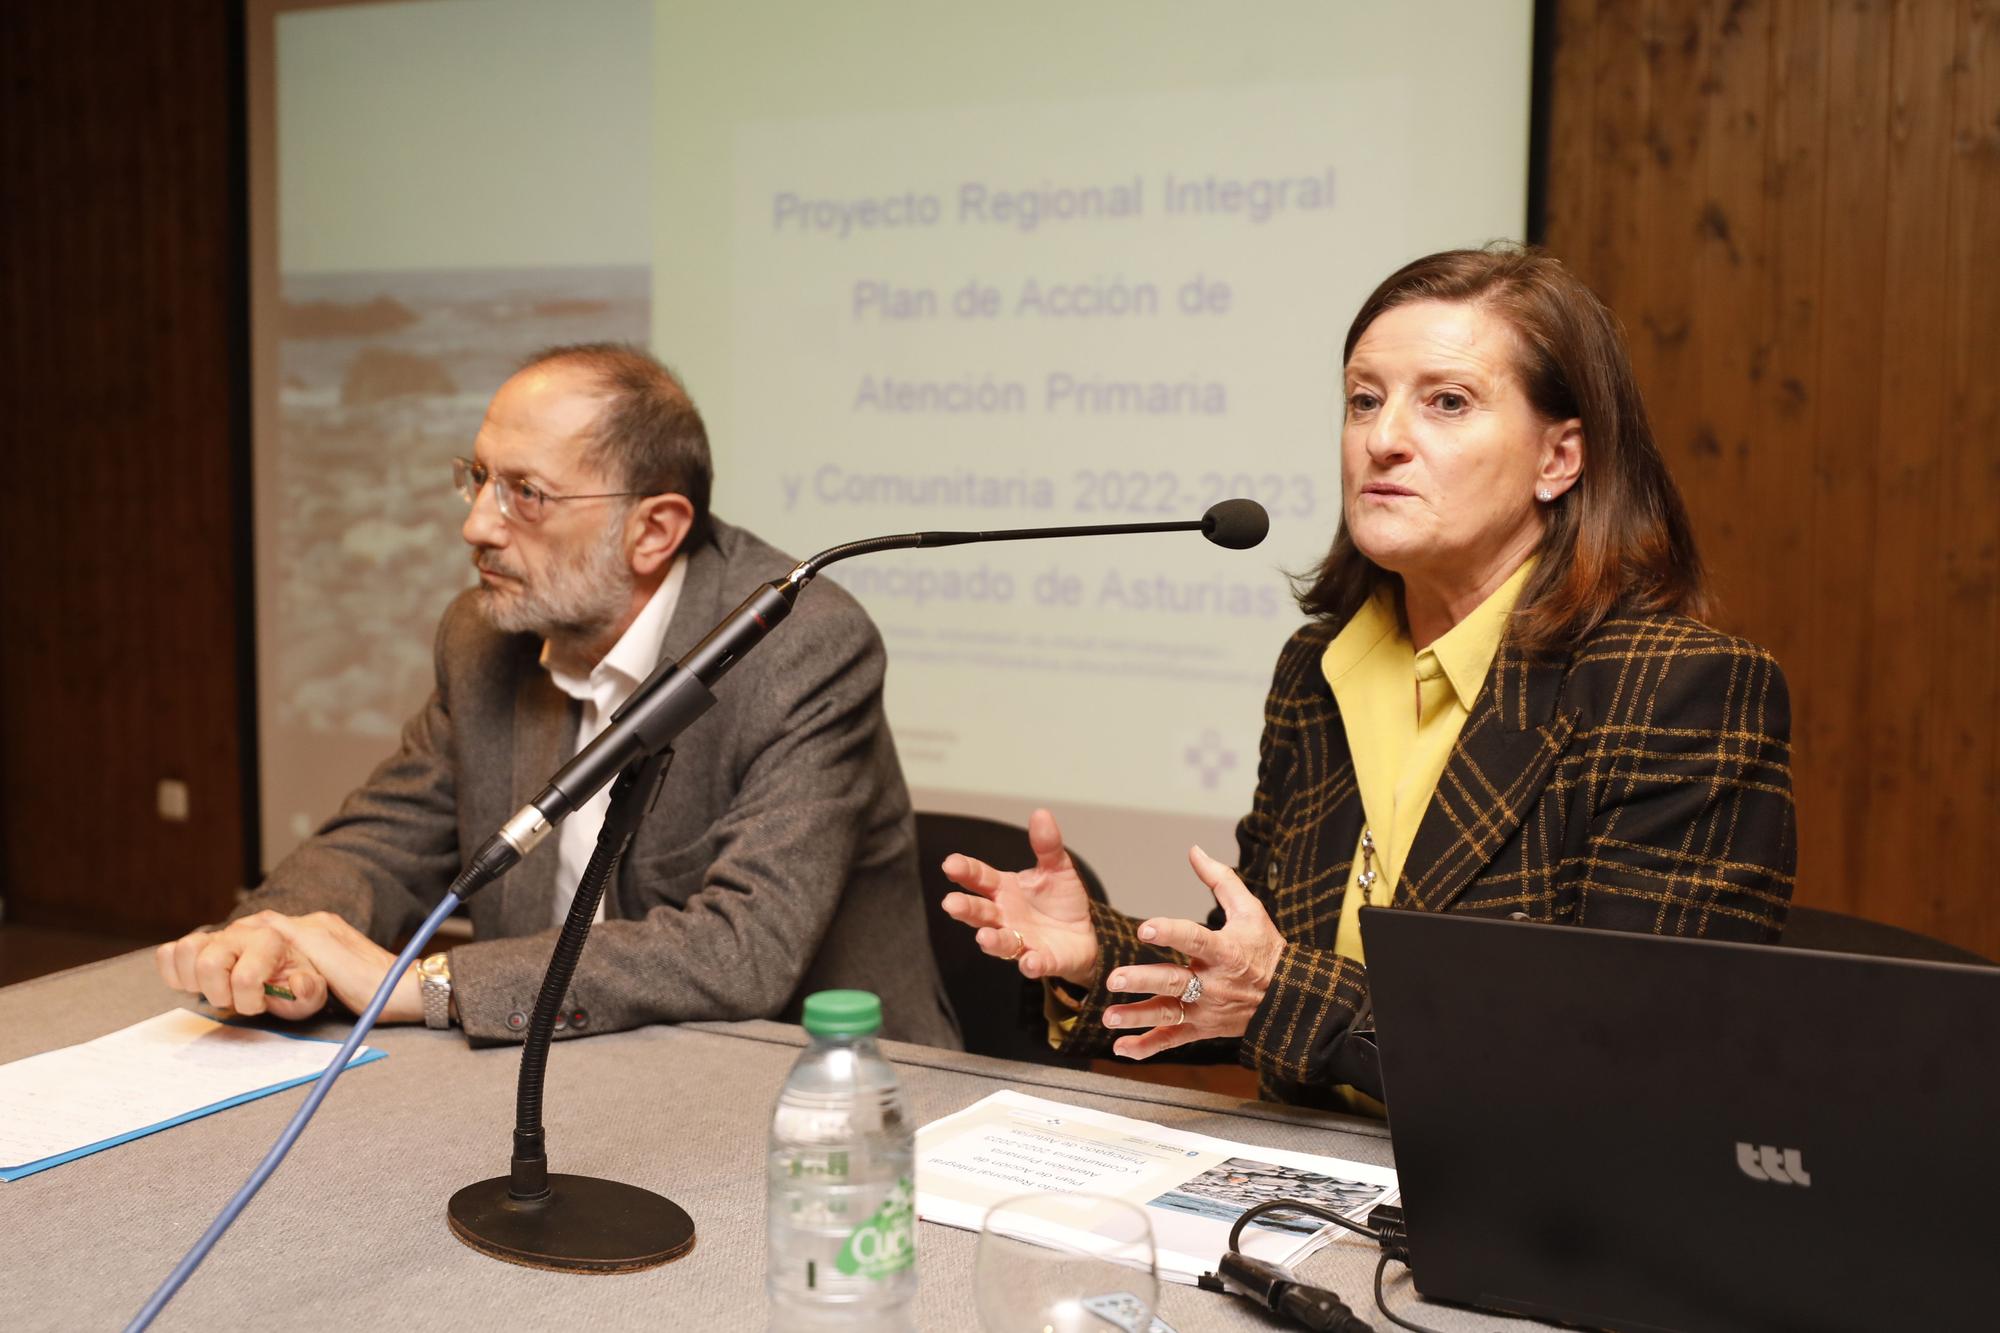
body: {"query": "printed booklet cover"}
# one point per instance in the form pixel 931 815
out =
pixel 1191 1187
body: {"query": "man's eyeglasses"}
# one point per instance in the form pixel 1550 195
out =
pixel 521 501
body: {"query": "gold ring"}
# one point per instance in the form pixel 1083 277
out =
pixel 1020 946
pixel 1180 1015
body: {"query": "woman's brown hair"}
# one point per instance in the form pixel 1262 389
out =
pixel 1619 538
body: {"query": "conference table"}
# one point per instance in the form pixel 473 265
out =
pixel 350 1232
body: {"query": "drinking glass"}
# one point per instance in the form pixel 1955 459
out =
pixel 1065 1263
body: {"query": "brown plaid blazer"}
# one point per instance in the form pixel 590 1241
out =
pixel 1641 783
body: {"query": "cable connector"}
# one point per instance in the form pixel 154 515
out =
pixel 1386 1221
pixel 1279 1290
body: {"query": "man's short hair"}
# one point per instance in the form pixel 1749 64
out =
pixel 649 437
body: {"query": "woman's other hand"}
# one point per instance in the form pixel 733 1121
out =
pixel 1235 965
pixel 1038 918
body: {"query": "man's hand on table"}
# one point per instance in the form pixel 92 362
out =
pixel 311 956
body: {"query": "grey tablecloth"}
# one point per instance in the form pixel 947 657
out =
pixel 350 1233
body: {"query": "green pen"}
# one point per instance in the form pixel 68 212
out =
pixel 278 991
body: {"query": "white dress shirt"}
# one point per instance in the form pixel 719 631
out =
pixel 608 685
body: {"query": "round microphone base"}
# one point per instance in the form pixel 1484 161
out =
pixel 584 1225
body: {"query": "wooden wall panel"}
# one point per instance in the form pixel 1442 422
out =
pixel 1618 169
pixel 1731 292
pixel 1677 51
pixel 1833 701
pixel 1965 729
pixel 118 582
pixel 1906 554
pixel 1785 419
pixel 1813 304
pixel 1572 69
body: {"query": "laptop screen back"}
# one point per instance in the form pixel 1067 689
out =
pixel 1637 1132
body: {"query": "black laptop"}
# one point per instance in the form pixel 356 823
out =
pixel 1632 1132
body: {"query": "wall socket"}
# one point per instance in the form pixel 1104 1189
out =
pixel 173 799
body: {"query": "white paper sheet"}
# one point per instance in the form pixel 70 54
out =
pixel 61 1105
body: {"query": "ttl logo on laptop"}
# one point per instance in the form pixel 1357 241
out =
pixel 1783 1167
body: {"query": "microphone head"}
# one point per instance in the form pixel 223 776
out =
pixel 1237 524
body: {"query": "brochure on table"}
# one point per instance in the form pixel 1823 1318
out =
pixel 1192 1187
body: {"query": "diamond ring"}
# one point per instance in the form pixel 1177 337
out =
pixel 1192 991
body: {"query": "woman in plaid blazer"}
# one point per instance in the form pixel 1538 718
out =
pixel 1623 766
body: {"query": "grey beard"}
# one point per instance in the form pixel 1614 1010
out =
pixel 579 597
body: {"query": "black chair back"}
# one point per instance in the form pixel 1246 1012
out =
pixel 1837 932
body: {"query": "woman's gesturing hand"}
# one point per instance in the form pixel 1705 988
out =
pixel 1038 918
pixel 1234 965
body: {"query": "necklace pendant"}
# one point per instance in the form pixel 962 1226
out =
pixel 1366 879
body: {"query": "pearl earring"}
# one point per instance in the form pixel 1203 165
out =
pixel 1545 495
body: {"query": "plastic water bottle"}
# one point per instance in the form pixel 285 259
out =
pixel 841 1206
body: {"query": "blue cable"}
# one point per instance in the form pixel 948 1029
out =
pixel 185 1268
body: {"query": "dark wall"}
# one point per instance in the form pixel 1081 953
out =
pixel 119 578
pixel 1795 209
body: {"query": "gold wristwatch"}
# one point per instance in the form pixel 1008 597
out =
pixel 434 984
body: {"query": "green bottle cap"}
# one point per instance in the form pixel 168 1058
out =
pixel 843 1013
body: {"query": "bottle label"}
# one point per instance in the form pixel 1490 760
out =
pixel 817 1166
pixel 886 1243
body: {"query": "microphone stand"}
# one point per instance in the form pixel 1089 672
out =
pixel 575 1224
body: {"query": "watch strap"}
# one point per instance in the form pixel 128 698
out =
pixel 434 985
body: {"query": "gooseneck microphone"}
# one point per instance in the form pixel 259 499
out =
pixel 677 693
pixel 573 1223
pixel 1236 524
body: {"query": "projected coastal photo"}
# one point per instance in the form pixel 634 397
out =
pixel 1226 1191
pixel 383 378
pixel 431 217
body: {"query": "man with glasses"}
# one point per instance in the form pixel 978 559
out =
pixel 780 856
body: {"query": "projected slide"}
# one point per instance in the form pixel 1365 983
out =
pixel 1087 265
pixel 921 269
pixel 1058 333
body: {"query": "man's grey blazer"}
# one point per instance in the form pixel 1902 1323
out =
pixel 780 858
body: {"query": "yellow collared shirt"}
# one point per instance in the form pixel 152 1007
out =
pixel 1402 711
